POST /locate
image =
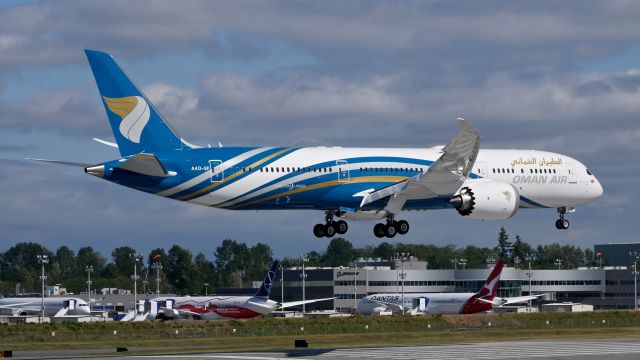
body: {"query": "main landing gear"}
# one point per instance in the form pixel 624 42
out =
pixel 562 223
pixel 330 228
pixel 391 228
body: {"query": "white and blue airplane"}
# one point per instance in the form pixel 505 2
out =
pixel 345 183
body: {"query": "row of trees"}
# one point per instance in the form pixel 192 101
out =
pixel 235 263
pixel 180 272
pixel 340 252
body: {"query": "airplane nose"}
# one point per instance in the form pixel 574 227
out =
pixel 596 189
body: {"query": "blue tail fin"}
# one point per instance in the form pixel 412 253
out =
pixel 265 288
pixel 136 124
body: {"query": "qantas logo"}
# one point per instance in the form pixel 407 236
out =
pixel 134 112
pixel 490 287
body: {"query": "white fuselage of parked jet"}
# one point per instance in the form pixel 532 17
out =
pixel 52 306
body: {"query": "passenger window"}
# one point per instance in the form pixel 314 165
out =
pixel 522 171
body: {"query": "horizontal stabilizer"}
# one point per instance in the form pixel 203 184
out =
pixel 146 164
pixel 105 142
pixel 69 163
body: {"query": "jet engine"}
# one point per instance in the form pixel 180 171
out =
pixel 489 200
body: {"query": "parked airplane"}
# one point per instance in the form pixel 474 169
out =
pixel 53 306
pixel 216 307
pixel 443 303
pixel 346 183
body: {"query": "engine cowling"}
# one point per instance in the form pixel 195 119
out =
pixel 489 200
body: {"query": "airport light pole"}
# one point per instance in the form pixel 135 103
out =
pixel 43 260
pixel 157 266
pixel 355 286
pixel 516 261
pixel 529 274
pixel 455 263
pixel 206 289
pixel 635 255
pixel 403 257
pixel 281 284
pixel 135 277
pixel 145 282
pixel 558 262
pixel 303 276
pixel 89 270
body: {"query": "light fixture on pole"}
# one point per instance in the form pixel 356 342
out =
pixel 635 255
pixel 206 289
pixel 135 277
pixel 463 262
pixel 43 260
pixel 558 262
pixel 89 270
pixel 516 261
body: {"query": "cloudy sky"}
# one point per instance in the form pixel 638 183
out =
pixel 558 76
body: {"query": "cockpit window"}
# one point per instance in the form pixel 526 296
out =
pixel 589 172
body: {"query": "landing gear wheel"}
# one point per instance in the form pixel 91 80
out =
pixel 562 223
pixel 390 230
pixel 403 227
pixel 341 227
pixel 330 230
pixel 378 230
pixel 319 231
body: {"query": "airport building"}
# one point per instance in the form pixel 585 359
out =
pixel 604 288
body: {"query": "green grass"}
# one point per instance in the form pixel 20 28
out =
pixel 279 333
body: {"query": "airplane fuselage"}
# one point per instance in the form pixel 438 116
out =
pixel 434 303
pixel 222 307
pixel 332 178
pixel 33 306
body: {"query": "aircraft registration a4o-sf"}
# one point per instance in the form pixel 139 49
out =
pixel 346 183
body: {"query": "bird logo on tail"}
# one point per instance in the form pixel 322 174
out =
pixel 134 112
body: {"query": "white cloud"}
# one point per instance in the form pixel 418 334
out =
pixel 172 99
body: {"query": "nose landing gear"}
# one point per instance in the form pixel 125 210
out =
pixel 330 228
pixel 562 223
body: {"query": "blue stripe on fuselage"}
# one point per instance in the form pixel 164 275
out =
pixel 334 175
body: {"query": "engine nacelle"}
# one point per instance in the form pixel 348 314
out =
pixel 489 200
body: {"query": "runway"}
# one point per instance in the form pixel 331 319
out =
pixel 615 349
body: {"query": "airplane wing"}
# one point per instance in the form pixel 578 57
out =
pixel 520 299
pixel 296 303
pixel 146 164
pixel 443 177
pixel 510 300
